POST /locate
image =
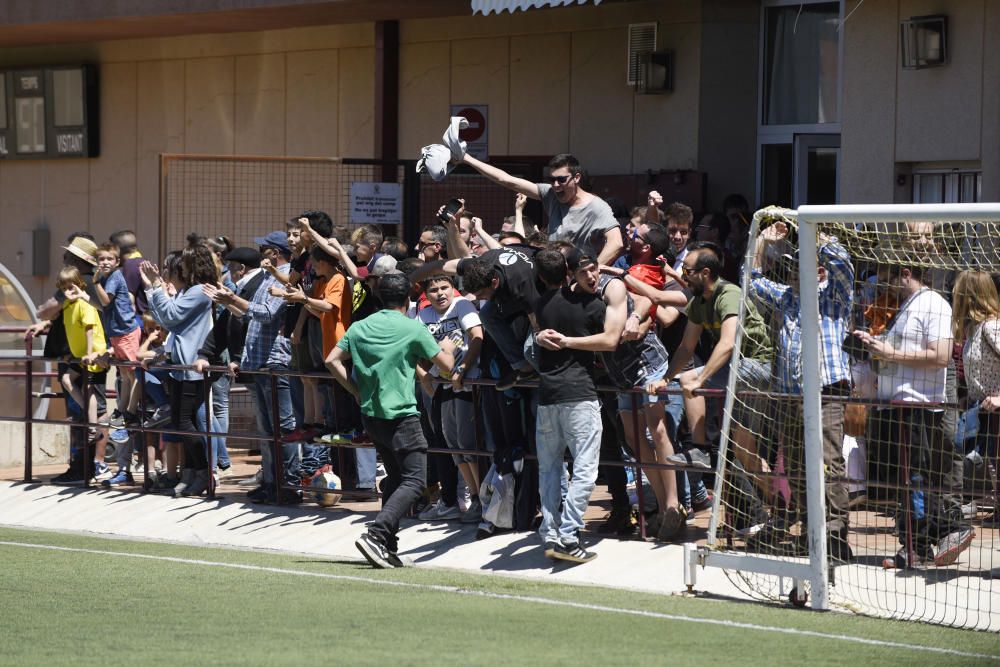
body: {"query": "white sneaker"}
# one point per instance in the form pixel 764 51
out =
pixel 440 512
pixel 256 480
pixel 464 496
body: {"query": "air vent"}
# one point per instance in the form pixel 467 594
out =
pixel 641 38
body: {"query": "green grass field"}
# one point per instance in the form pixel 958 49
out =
pixel 87 600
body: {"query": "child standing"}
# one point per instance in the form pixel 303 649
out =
pixel 120 324
pixel 85 335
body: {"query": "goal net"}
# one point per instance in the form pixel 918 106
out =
pixel 864 475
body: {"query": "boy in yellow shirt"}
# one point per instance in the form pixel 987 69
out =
pixel 85 335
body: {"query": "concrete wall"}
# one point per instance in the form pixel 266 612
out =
pixel 727 123
pixel 554 80
pixel 948 114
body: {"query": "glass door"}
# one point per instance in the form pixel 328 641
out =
pixel 817 169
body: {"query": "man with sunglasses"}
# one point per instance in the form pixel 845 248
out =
pixel 575 215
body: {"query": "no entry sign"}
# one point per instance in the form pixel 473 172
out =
pixel 477 134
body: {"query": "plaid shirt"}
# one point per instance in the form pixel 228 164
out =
pixel 836 298
pixel 265 344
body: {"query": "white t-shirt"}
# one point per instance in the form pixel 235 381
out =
pixel 922 320
pixel 453 324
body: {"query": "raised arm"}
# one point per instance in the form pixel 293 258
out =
pixel 501 177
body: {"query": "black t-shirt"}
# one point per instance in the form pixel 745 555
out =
pixel 303 266
pixel 518 290
pixel 567 375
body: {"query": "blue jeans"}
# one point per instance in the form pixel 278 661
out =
pixel 577 426
pixel 286 417
pixel 520 354
pixel 220 419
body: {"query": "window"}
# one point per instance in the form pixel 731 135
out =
pixel 947 186
pixel 801 64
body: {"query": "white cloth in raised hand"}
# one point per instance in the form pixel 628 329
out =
pixel 451 140
pixel 435 160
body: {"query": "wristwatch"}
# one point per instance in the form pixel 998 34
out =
pixel 458 371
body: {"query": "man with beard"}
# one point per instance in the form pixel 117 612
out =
pixel 715 307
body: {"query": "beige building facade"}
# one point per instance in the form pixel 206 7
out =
pixel 554 80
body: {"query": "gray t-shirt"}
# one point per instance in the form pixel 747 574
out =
pixel 583 226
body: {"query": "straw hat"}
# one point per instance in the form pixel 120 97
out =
pixel 83 248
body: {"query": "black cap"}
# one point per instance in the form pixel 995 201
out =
pixel 248 256
pixel 577 259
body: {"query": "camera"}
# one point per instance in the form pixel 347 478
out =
pixel 450 209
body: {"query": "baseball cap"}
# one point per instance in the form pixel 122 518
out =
pixel 577 259
pixel 277 240
pixel 248 256
pixel 384 265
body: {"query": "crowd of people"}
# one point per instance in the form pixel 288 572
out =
pixel 642 301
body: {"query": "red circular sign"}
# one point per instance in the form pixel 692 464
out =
pixel 477 124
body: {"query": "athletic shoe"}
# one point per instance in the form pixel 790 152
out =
pixel 573 553
pixel 122 478
pixel 187 479
pixel 72 476
pixel 951 545
pixel 101 470
pixel 440 512
pixel 165 484
pixel 703 504
pixel 256 480
pixel 198 485
pixel 922 556
pixel 345 438
pixel 464 495
pixel 671 523
pixel 374 551
pixel 550 549
pixel 117 419
pixel 695 458
pixel 619 522
pixel 475 512
pixel 970 510
pixel 298 435
pixel 361 438
pixel 160 417
pixel 262 494
pixel 516 377
pixel 119 436
pixel 224 471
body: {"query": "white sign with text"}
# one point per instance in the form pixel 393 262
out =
pixel 376 203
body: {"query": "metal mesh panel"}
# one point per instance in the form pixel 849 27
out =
pixel 905 469
pixel 246 197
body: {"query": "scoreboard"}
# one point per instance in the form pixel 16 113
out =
pixel 49 112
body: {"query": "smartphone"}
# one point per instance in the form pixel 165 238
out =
pixel 450 209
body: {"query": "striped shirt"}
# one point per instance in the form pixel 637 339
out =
pixel 265 344
pixel 836 299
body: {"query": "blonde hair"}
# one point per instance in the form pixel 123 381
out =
pixel 70 275
pixel 974 300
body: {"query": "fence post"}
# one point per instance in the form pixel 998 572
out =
pixel 640 494
pixel 206 391
pixel 28 411
pixel 88 461
pixel 140 376
pixel 277 454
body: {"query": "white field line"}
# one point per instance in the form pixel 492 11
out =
pixel 519 598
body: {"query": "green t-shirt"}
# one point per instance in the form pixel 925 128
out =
pixel 724 302
pixel 385 348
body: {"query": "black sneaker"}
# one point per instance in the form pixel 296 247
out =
pixel 72 476
pixel 697 459
pixel 951 545
pixel 550 549
pixel 921 556
pixel 619 522
pixel 160 417
pixel 262 494
pixel 516 377
pixel 573 553
pixel 117 419
pixel 374 551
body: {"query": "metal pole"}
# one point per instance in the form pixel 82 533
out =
pixel 87 460
pixel 276 454
pixel 811 412
pixel 28 409
pixel 206 392
pixel 140 375
pixel 640 494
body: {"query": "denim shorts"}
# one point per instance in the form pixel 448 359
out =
pixel 643 399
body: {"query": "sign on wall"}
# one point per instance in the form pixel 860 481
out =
pixel 376 203
pixel 477 134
